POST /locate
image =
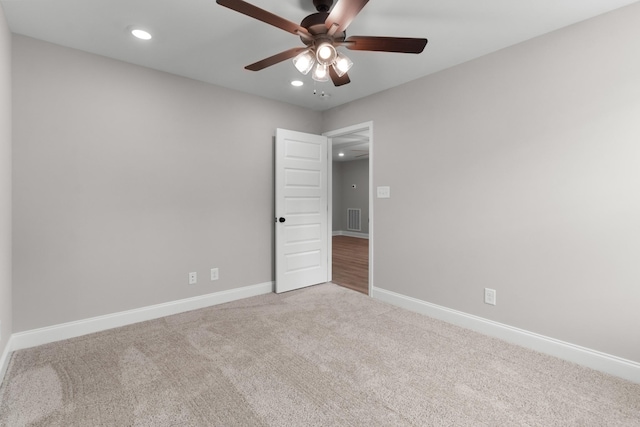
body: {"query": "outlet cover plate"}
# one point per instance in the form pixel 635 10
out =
pixel 490 296
pixel 193 278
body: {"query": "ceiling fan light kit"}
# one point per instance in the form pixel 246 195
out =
pixel 321 33
pixel 325 55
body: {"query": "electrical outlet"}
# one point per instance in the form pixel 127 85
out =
pixel 193 278
pixel 214 274
pixel 489 296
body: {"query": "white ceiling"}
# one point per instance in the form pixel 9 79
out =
pixel 205 41
pixel 353 146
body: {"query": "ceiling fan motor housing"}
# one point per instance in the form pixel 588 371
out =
pixel 315 24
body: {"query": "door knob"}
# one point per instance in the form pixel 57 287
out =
pixel 282 219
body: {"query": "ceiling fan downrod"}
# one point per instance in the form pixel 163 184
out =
pixel 322 5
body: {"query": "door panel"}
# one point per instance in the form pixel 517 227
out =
pixel 301 210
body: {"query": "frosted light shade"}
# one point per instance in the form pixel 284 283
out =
pixel 342 64
pixel 320 73
pixel 326 53
pixel 304 61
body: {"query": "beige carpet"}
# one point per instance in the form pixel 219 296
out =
pixel 322 356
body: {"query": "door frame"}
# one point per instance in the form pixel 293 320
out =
pixel 368 126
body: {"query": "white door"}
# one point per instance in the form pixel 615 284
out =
pixel 301 210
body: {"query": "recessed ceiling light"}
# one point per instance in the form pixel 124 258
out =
pixel 297 83
pixel 341 154
pixel 141 34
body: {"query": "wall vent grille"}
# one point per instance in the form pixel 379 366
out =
pixel 353 219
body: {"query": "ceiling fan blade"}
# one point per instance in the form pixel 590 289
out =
pixel 386 44
pixel 342 14
pixel 272 60
pixel 337 80
pixel 264 16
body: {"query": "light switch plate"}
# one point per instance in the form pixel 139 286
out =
pixel 384 192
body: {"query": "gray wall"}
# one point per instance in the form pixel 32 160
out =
pixel 336 185
pixel 344 196
pixel 518 171
pixel 126 179
pixel 5 182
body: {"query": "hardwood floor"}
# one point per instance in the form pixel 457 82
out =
pixel 350 263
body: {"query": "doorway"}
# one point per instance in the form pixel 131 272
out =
pixel 351 207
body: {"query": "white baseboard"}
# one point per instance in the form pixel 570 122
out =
pixel 351 234
pixel 594 359
pixel 68 330
pixel 4 359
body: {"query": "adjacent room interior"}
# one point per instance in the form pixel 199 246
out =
pixel 350 210
pixel 499 269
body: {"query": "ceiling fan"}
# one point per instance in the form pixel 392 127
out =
pixel 365 153
pixel 322 33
